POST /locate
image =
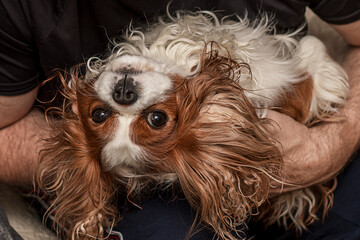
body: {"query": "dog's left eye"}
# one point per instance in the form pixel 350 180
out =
pixel 156 119
pixel 100 115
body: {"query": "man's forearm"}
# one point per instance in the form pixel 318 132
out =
pixel 316 154
pixel 19 148
pixel 338 141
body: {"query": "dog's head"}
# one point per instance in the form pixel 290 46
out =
pixel 139 121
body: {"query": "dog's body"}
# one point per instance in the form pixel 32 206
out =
pixel 183 105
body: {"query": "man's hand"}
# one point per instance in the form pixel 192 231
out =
pixel 316 154
pixel 311 155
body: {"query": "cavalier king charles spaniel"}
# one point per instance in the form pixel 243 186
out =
pixel 183 105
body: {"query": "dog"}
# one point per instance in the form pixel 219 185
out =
pixel 183 105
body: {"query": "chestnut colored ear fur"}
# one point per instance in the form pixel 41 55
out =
pixel 226 174
pixel 219 152
pixel 71 173
pixel 296 103
pixel 222 156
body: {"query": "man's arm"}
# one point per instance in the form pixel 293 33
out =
pixel 316 154
pixel 350 32
pixel 20 130
pixel 14 108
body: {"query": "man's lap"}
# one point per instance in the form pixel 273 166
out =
pixel 343 221
pixel 161 219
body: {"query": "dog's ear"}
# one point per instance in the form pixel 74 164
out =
pixel 226 169
pixel 70 174
pixel 296 102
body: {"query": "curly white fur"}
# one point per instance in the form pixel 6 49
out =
pixel 276 63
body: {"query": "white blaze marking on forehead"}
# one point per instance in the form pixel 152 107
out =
pixel 150 77
pixel 120 150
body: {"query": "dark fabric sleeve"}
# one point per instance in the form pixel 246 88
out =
pixel 337 11
pixel 19 62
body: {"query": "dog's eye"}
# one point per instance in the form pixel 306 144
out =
pixel 100 115
pixel 156 119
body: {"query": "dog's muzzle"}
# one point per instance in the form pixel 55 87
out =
pixel 125 91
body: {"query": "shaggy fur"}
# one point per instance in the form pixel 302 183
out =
pixel 214 80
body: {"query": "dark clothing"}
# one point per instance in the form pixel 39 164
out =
pixel 343 221
pixel 39 36
pixel 161 218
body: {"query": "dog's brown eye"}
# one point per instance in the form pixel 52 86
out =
pixel 100 115
pixel 156 119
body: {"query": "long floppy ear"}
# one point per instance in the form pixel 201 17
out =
pixel 70 172
pixel 226 168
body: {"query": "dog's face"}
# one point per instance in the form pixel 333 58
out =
pixel 133 105
pixel 140 111
pixel 141 121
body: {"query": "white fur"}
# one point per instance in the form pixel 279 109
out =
pixel 175 47
pixel 181 42
pixel 330 80
pixel 185 52
pixel 120 150
pixel 276 61
pixel 151 77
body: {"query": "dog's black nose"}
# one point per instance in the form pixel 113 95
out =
pixel 125 91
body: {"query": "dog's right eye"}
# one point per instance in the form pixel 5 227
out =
pixel 100 115
pixel 156 119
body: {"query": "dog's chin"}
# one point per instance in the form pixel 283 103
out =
pixel 131 172
pixel 125 171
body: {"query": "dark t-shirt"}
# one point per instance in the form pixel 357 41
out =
pixel 39 36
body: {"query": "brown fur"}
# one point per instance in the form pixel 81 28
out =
pixel 218 166
pixel 296 102
pixel 70 170
pixel 214 143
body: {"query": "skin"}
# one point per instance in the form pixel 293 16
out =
pixel 20 132
pixel 312 155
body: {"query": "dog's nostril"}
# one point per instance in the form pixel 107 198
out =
pixel 125 91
